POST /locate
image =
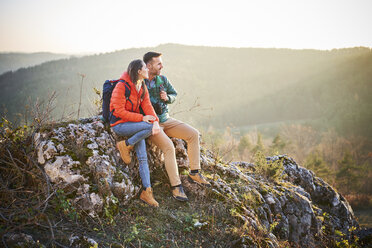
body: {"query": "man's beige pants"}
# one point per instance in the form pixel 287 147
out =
pixel 177 129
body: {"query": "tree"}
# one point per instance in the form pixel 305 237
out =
pixel 302 139
pixel 277 145
pixel 315 162
pixel 244 146
pixel 348 174
pixel 259 147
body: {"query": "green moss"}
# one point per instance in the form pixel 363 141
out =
pixel 110 208
pixel 94 188
pixel 55 141
pixel 252 199
pixel 264 190
pixel 118 176
pixel 45 129
pixel 87 153
pixel 217 195
pixel 71 154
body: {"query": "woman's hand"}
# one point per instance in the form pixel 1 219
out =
pixel 155 128
pixel 148 118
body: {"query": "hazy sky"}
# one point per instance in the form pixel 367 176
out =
pixel 79 26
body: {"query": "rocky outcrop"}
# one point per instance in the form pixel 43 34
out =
pixel 83 156
pixel 298 207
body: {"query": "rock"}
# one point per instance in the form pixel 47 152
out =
pixel 84 155
pixel 81 241
pixel 61 170
pixel 297 207
pixel 181 153
pixel 21 240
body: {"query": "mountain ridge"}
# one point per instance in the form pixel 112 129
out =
pixel 222 78
pixel 12 61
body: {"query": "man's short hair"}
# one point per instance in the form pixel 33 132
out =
pixel 148 56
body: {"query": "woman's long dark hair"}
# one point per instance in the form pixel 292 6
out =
pixel 132 70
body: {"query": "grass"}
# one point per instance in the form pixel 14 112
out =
pixel 139 225
pixel 173 223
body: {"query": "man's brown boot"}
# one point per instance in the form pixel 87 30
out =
pixel 178 193
pixel 199 179
pixel 148 197
pixel 124 151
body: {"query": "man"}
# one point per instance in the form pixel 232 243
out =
pixel 162 93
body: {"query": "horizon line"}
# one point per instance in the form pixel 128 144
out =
pixel 87 53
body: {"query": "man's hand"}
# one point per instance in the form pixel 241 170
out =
pixel 164 96
pixel 148 118
pixel 155 128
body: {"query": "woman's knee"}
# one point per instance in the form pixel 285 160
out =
pixel 117 129
pixel 148 127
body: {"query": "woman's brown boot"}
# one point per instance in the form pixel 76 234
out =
pixel 148 197
pixel 178 193
pixel 124 150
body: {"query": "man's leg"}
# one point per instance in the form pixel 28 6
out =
pixel 165 144
pixel 178 129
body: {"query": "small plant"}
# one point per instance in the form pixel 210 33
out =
pixel 111 208
pixel 190 221
pixel 252 200
pixel 343 242
pixel 271 170
pixel 273 225
pixel 133 233
pixel 81 91
pixel 97 102
pixel 64 204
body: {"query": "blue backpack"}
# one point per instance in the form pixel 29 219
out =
pixel 108 88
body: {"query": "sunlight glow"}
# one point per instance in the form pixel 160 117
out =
pixel 81 26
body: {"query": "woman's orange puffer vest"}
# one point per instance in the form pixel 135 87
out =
pixel 124 110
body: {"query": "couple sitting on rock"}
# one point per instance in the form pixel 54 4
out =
pixel 145 114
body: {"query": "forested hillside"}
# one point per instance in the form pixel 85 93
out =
pixel 14 61
pixel 239 87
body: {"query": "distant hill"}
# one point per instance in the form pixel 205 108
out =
pixel 14 61
pixel 243 86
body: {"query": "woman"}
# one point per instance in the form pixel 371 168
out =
pixel 127 120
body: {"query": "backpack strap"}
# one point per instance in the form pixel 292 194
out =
pixel 127 89
pixel 127 92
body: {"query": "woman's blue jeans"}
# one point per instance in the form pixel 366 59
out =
pixel 137 133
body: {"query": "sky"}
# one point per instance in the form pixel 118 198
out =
pixel 97 26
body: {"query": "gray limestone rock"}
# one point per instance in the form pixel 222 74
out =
pixel 297 207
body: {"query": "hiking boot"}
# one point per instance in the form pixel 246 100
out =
pixel 178 193
pixel 124 151
pixel 199 179
pixel 148 197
